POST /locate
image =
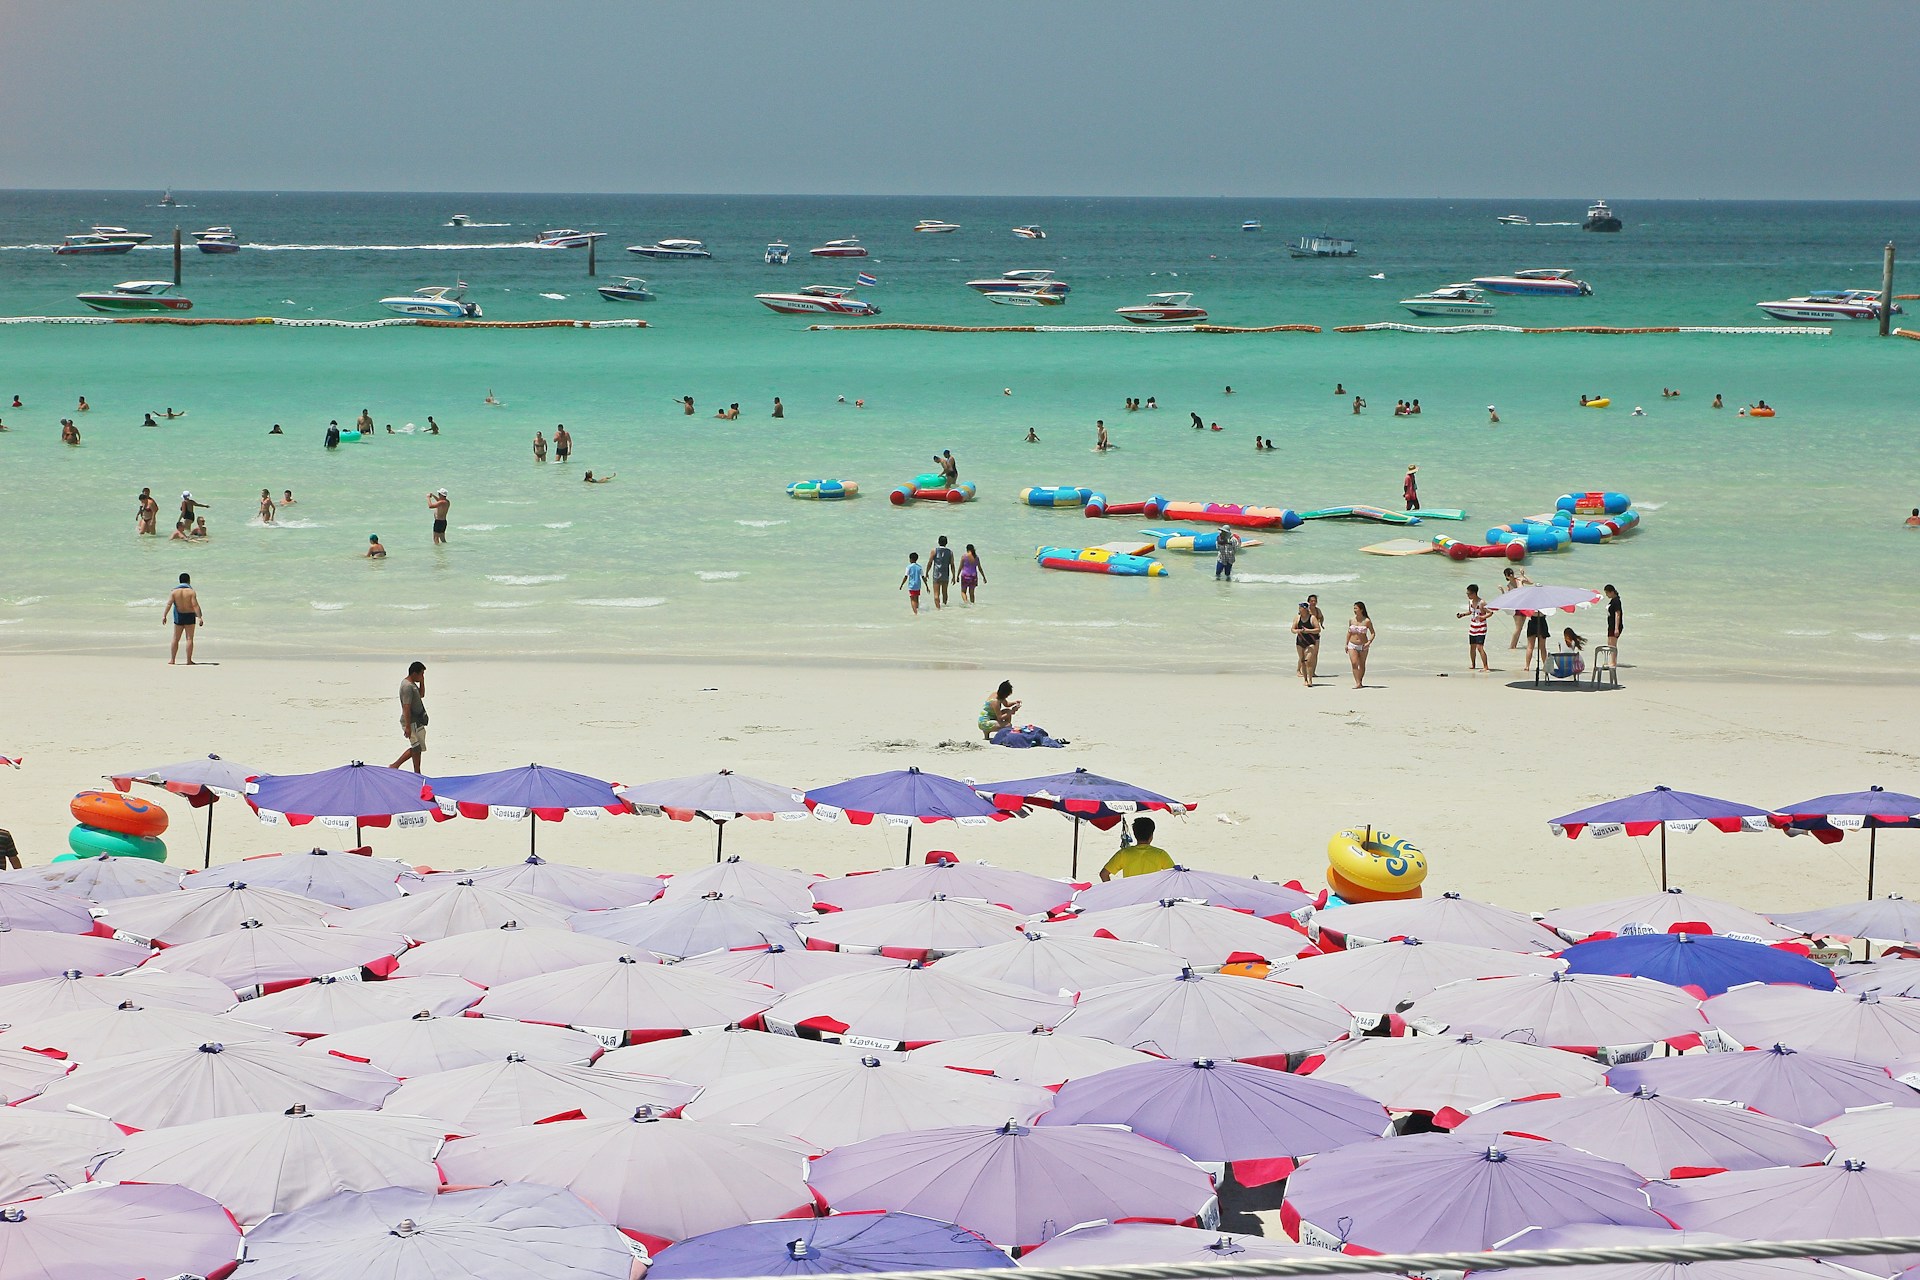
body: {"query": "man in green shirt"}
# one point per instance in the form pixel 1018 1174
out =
pixel 1140 857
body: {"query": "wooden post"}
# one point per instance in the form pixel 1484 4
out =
pixel 590 245
pixel 1886 290
pixel 176 257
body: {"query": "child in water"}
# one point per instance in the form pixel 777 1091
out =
pixel 912 579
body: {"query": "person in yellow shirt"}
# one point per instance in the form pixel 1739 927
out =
pixel 1140 857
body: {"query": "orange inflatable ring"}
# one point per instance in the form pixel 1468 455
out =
pixel 1351 892
pixel 1760 413
pixel 123 815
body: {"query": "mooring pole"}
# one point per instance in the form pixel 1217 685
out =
pixel 1886 290
pixel 176 257
pixel 592 243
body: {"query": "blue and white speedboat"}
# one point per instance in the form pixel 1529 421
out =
pixel 437 303
pixel 627 289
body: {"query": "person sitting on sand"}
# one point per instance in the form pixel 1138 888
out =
pixel 374 550
pixel 1575 642
pixel 590 478
pixel 1140 858
pixel 998 711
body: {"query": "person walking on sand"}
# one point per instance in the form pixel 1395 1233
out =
pixel 940 570
pixel 183 609
pixel 1476 615
pixel 1617 618
pixel 562 443
pixel 413 716
pixel 1306 638
pixel 1360 637
pixel 1226 547
pixel 1410 489
pixel 971 574
pixel 438 502
pixel 911 580
pixel 1140 858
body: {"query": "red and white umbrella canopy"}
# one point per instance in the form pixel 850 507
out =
pixel 1378 980
pixel 690 926
pixel 788 968
pixel 100 879
pixel 327 1005
pixel 332 876
pixel 28 955
pixel 87 1035
pixel 112 1229
pixel 1017 890
pixel 902 1008
pixel 841 1100
pixel 23 1004
pixel 513 1091
pixel 1658 913
pixel 1654 1135
pixel 1054 962
pixel 1886 1137
pixel 162 1088
pixel 560 883
pixel 624 1000
pixel 24 1072
pixel 188 915
pixel 781 888
pixel 1201 1015
pixel 1044 1058
pixel 1889 975
pixel 424 1044
pixel 258 1165
pixel 1451 1077
pixel 491 957
pixel 1862 1027
pixel 659 1180
pixel 1447 918
pixel 1198 933
pixel 1102 1244
pixel 42 1151
pixel 268 958
pixel 462 907
pixel 1239 893
pixel 1835 1201
pixel 28 906
pixel 923 929
pixel 717 1055
pixel 1583 1012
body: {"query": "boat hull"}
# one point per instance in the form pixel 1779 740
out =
pixel 218 246
pixel 799 305
pixel 613 293
pixel 1026 299
pixel 1161 315
pixel 1818 311
pixel 94 250
pixel 838 253
pixel 1447 309
pixel 1601 224
pixel 652 251
pixel 116 304
pixel 427 310
pixel 1522 287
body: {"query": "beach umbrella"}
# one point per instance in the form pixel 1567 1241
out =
pixel 1829 818
pixel 1442 1192
pixel 1883 1136
pixel 1016 890
pixel 926 929
pixel 25 1072
pixel 42 1152
pixel 1705 964
pixel 1860 1026
pixel 1230 1112
pixel 1207 1015
pixel 1451 1077
pixel 1083 797
pixel 1198 933
pixel 1447 918
pixel 1890 977
pixel 1544 599
pixel 625 1001
pixel 827 1246
pixel 657 1180
pixel 1014 1184
pixel 488 1233
pixel 512 1091
pixel 463 907
pixel 1655 1135
pixel 109 1230
pixel 535 791
pixel 720 798
pixel 1260 897
pixel 902 797
pixel 27 906
pixel 353 796
pixel 1747 1269
pixel 1845 1199
pixel 161 1088
pixel 1659 809
pixel 339 879
pixel 1661 913
pixel 259 1165
pixel 1606 1235
pixel 100 878
pixel 787 968
pixel 203 780
pixel 490 957
pixel 781 888
pixel 690 926
pixel 1889 919
pixel 258 959
pixel 188 915
pixel 1044 1058
pixel 1107 1244
pixel 1377 981
pixel 1050 962
pixel 1797 1085
pixel 423 1044
pixel 904 1008
pixel 328 1005
pixel 23 1004
pixel 563 885
pixel 1583 1013
pixel 719 1055
pixel 28 955
pixel 87 1035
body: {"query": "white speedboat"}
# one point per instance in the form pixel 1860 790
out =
pixel 627 289
pixel 818 299
pixel 1541 281
pixel 1828 304
pixel 1453 300
pixel 671 249
pixel 1030 232
pixel 1021 282
pixel 1164 308
pixel 1026 298
pixel 1514 220
pixel 848 248
pixel 138 295
pixel 1600 218
pixel 121 235
pixel 460 220
pixel 439 302
pixel 779 254
pixel 567 238
pixel 217 240
pixel 935 226
pixel 1251 224
pixel 91 245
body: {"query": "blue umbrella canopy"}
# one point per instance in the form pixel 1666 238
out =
pixel 352 796
pixel 902 797
pixel 1658 809
pixel 1080 795
pixel 826 1246
pixel 534 790
pixel 1829 818
pixel 1706 964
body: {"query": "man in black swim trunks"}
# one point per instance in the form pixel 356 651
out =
pixel 183 609
pixel 438 502
pixel 940 571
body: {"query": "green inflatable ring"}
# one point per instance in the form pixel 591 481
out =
pixel 88 841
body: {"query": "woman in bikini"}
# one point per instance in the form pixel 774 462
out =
pixel 998 711
pixel 1306 637
pixel 1360 634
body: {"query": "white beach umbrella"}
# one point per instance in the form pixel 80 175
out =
pixel 258 1165
pixel 491 957
pixel 1884 1136
pixel 30 906
pixel 1545 599
pixel 1018 891
pixel 328 1005
pixel 332 876
pixel 1447 918
pixel 1451 1077
pixel 188 915
pixel 1376 981
pixel 690 926
pixel 461 907
pixel 424 1044
pixel 1790 1084
pixel 88 1035
pixel 918 929
pixel 624 1000
pixel 1216 888
pixel 25 1072
pixel 110 1230
pixel 782 888
pixel 99 879
pixel 27 955
pixel 900 1008
pixel 26 1003
pixel 1198 1015
pixel 717 1055
pixel 42 1152
pixel 720 798
pixel 512 1091
pixel 1583 1012
pixel 560 883
pixel 1200 934
pixel 1863 1027
pixel 1658 913
pixel 1890 976
pixel 1045 1058
pixel 788 968
pixel 1095 1244
pixel 263 958
pixel 1051 962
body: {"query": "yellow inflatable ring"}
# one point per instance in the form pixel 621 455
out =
pixel 1378 861
pixel 1601 403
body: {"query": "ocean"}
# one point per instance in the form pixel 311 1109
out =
pixel 1767 546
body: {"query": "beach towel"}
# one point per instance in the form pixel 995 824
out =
pixel 1026 735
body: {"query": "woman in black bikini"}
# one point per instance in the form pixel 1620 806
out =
pixel 1306 638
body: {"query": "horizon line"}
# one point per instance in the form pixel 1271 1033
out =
pixel 882 195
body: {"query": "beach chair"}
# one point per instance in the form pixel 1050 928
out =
pixel 1606 666
pixel 1565 664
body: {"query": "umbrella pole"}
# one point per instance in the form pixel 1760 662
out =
pixel 357 840
pixel 1873 834
pixel 533 835
pixel 207 861
pixel 909 861
pixel 719 841
pixel 1075 873
pixel 1663 857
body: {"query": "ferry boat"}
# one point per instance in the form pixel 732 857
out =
pixel 818 299
pixel 91 244
pixel 138 295
pixel 167 201
pixel 680 249
pixel 1600 218
pixel 1828 304
pixel 1163 308
pixel 121 233
pixel 567 238
pixel 217 240
pixel 1030 232
pixel 779 254
pixel 1322 246
pixel 1540 281
pixel 1514 220
pixel 438 303
pixel 1453 300
pixel 935 226
pixel 1251 224
pixel 1021 282
pixel 849 248
pixel 1026 298
pixel 627 289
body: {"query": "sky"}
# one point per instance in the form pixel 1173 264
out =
pixel 1627 99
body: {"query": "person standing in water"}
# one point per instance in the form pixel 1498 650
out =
pixel 438 502
pixel 69 434
pixel 1226 547
pixel 539 447
pixel 413 716
pixel 266 506
pixel 971 574
pixel 1410 490
pixel 187 506
pixel 374 550
pixel 779 410
pixel 146 516
pixel 184 611
pixel 1100 442
pixel 940 570
pixel 562 443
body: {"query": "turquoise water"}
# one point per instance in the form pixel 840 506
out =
pixel 1767 545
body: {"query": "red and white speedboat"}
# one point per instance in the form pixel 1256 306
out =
pixel 91 244
pixel 817 299
pixel 1539 282
pixel 567 238
pixel 936 226
pixel 1164 308
pixel 1030 232
pixel 1827 304
pixel 1021 282
pixel 840 249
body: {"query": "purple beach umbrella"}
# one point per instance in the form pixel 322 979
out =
pixel 627 1001
pixel 1889 919
pixel 464 906
pixel 841 1245
pixel 88 1035
pixel 1238 893
pixel 331 876
pixel 1200 934
pixel 1661 913
pixel 535 791
pixel 788 968
pixel 1106 1244
pixel 1847 1198
pixel 1860 1026
pixel 1660 809
pixel 1883 1136
pixel 350 797
pixel 1828 818
pixel 424 1044
pixel 113 1229
pixel 1705 964
pixel 902 797
pixel 1083 797
pixel 1804 1087
pixel 1016 890
pixel 204 781
pixel 720 798
pixel 718 1055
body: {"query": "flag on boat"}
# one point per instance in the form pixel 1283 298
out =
pixel 865 281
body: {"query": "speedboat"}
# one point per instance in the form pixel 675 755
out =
pixel 1322 246
pixel 850 248
pixel 935 225
pixel 437 303
pixel 1163 308
pixel 627 289
pixel 567 238
pixel 460 220
pixel 1600 218
pixel 1026 298
pixel 121 233
pixel 217 240
pixel 778 254
pixel 1514 220
pixel 1453 300
pixel 1251 224
pixel 138 295
pixel 671 249
pixel 92 244
pixel 1021 282
pixel 818 299
pixel 1828 304
pixel 1547 281
pixel 1030 232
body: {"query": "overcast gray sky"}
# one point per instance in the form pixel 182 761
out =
pixel 1627 98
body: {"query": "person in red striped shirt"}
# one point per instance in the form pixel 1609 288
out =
pixel 1476 614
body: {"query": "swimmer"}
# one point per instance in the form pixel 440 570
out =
pixel 433 428
pixel 286 498
pixel 374 550
pixel 266 506
pixel 490 400
pixel 859 404
pixel 1152 402
pixel 181 531
pixel 1762 405
pixel 1198 425
pixel 17 404
pixel 1339 388
pixel 1032 438
pixel 276 430
pixel 590 478
pixel 200 528
pixel 1213 427
pixel 389 428
pixel 1638 412
pixel 170 415
pixel 146 514
pixel 1583 401
pixel 779 410
pixel 3 426
pixel 686 405
pixel 1358 405
pixel 1493 416
pixel 1717 403
pixel 1669 393
pixel 69 434
pixel 148 421
pixel 1913 521
pixel 1227 392
pixel 84 406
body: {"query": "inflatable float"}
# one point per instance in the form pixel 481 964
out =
pixel 1530 534
pixel 1379 514
pixel 1374 866
pixel 1593 503
pixel 1098 507
pixel 1454 549
pixel 1191 541
pixel 88 842
pixel 1601 403
pixel 1099 560
pixel 1227 513
pixel 1439 513
pixel 123 825
pixel 1764 411
pixel 1057 495
pixel 824 490
pixel 912 492
pixel 1401 547
pixel 349 436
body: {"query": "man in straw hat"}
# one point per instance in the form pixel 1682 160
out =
pixel 1410 490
